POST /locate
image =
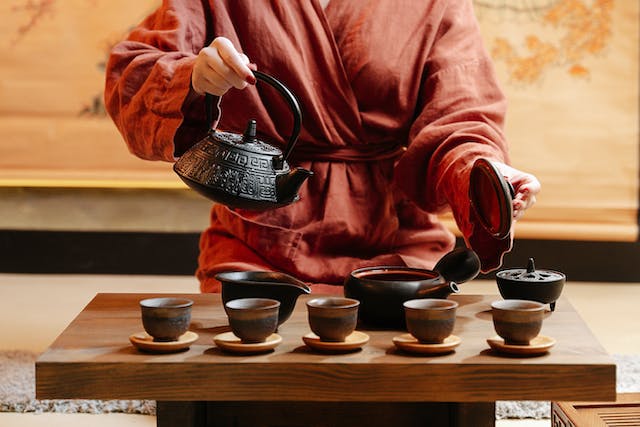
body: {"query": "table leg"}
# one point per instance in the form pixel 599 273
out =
pixel 477 414
pixel 323 414
pixel 181 414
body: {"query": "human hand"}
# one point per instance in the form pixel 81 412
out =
pixel 526 188
pixel 219 67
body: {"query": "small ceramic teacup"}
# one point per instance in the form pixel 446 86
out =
pixel 430 321
pixel 253 319
pixel 517 321
pixel 166 319
pixel 333 319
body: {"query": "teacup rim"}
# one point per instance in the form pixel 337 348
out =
pixel 178 302
pixel 528 305
pixel 447 304
pixel 348 302
pixel 269 303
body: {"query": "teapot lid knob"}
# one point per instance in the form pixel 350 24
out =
pixel 531 267
pixel 250 132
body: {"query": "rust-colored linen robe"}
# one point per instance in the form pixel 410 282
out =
pixel 372 77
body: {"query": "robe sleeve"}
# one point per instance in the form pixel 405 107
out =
pixel 148 82
pixel 459 119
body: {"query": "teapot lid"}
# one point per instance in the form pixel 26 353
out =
pixel 247 141
pixel 491 198
pixel 530 274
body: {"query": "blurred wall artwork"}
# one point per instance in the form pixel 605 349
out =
pixel 55 130
pixel 569 69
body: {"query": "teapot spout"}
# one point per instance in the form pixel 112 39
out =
pixel 287 185
pixel 441 291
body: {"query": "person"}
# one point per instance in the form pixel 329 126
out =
pixel 398 99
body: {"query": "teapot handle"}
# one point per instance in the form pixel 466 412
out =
pixel 288 96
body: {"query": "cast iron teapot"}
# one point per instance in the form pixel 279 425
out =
pixel 241 171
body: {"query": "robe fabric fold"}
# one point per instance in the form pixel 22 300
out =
pixel 398 99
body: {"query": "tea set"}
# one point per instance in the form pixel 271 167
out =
pixel 242 171
pixel 257 303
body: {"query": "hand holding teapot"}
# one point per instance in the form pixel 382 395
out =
pixel 239 171
pixel 219 67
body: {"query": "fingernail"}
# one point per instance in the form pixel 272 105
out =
pixel 251 79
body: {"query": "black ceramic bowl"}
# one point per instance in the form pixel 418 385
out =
pixel 263 284
pixel 543 286
pixel 383 290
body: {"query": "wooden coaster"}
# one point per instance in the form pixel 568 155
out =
pixel 143 341
pixel 353 342
pixel 229 342
pixel 409 343
pixel 537 346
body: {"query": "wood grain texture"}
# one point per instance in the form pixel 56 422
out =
pixel 93 358
pixel 625 411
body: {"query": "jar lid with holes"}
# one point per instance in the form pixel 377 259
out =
pixel 530 274
pixel 529 283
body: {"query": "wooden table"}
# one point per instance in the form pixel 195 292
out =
pixel 293 385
